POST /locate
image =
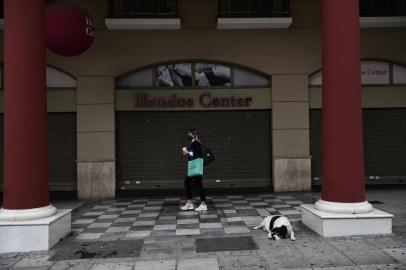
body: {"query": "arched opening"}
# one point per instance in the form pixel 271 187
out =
pixel 229 105
pixel 384 122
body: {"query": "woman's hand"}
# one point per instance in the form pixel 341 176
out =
pixel 185 152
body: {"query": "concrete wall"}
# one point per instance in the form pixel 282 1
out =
pixel 289 55
pixel 290 132
pixel 96 137
pixel 200 14
pixel 372 97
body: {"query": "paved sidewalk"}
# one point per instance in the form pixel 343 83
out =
pixel 142 233
pixel 140 218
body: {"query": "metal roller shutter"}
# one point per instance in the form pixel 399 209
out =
pixel 61 151
pixel 315 142
pixel 1 150
pixel 384 144
pixel 149 147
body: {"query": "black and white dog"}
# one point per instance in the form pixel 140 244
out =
pixel 277 227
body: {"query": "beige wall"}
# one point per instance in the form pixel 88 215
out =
pixel 290 132
pixel 372 97
pixel 273 51
pixel 57 100
pixel 200 14
pixel 96 137
pixel 290 115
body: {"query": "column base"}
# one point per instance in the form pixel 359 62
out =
pixel 343 208
pixel 27 214
pixel 34 235
pixel 329 224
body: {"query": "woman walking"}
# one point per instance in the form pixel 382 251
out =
pixel 193 152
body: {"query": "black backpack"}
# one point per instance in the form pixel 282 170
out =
pixel 207 155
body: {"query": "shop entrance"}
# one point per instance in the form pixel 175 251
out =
pixel 149 143
pixel 384 122
pixel 229 106
pixel 384 147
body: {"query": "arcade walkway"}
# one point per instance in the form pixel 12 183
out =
pixel 142 233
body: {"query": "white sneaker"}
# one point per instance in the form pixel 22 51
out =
pixel 187 206
pixel 202 207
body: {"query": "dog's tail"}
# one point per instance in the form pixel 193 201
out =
pixel 261 225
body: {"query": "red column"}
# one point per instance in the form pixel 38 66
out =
pixel 342 143
pixel 25 107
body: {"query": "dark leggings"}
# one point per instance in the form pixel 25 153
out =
pixel 189 188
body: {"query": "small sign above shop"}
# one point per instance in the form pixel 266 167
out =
pixel 372 73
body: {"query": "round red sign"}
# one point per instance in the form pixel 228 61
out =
pixel 69 28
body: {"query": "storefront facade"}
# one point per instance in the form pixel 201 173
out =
pixel 383 108
pixel 262 122
pixel 230 107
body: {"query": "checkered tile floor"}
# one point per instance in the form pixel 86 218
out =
pixel 140 218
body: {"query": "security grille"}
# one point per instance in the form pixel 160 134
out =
pixel 1 150
pixel 149 146
pixel 143 9
pixel 61 150
pixel 374 8
pixel 315 141
pixel 253 8
pixel 384 142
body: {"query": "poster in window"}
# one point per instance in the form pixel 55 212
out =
pixel 171 75
pixel 207 75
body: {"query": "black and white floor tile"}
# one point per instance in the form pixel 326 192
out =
pixel 140 218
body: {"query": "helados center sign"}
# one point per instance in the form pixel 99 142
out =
pixel 193 99
pixel 204 100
